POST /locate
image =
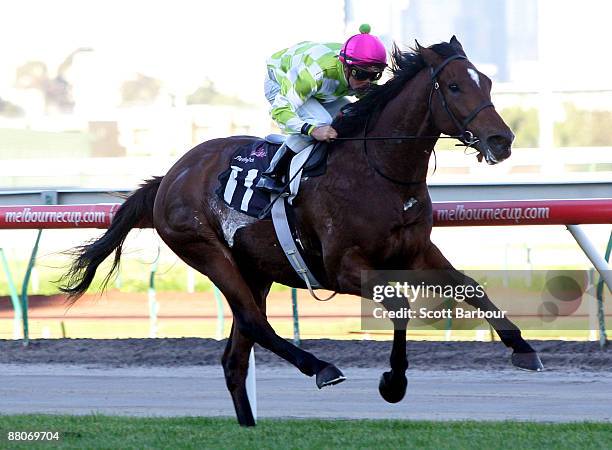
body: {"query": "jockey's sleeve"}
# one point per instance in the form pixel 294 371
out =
pixel 296 86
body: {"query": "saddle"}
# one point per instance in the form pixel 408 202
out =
pixel 238 189
pixel 238 184
pixel 317 161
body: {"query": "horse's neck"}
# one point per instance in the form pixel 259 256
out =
pixel 406 115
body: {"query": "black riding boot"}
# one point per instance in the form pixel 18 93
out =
pixel 272 179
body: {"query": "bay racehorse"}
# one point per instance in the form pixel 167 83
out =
pixel 353 218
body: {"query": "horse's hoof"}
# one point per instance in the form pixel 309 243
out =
pixel 392 389
pixel 329 375
pixel 527 361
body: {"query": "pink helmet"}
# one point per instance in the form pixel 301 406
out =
pixel 363 49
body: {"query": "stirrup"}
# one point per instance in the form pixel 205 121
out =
pixel 271 185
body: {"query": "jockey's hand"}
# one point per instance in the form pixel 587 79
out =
pixel 324 133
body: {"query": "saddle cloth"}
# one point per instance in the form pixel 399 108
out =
pixel 237 185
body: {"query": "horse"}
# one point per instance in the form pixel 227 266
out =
pixel 353 218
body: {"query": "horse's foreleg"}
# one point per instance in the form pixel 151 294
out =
pixel 392 385
pixel 523 356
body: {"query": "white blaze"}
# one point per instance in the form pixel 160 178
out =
pixel 474 76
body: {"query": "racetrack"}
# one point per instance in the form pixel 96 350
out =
pixel 425 355
pixel 168 377
pixel 566 396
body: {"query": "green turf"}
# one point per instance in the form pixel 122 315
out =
pixel 118 432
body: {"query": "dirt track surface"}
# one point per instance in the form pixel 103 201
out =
pixel 549 396
pixel 207 352
pixel 183 377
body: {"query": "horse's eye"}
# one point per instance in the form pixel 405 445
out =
pixel 454 87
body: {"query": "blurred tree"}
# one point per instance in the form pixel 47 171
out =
pixel 583 128
pixel 139 91
pixel 8 109
pixel 31 75
pixel 207 94
pixel 56 90
pixel 524 124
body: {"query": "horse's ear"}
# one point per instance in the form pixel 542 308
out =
pixel 457 45
pixel 430 57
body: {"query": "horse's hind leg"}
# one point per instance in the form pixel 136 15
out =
pixel 215 261
pixel 235 363
pixel 523 356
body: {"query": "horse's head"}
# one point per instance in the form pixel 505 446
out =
pixel 460 101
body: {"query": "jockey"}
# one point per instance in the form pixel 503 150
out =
pixel 307 85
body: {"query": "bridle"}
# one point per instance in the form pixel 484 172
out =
pixel 465 136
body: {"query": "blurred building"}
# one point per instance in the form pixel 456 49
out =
pixel 110 102
pixel 500 36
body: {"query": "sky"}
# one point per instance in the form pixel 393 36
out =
pixel 181 42
pixel 185 42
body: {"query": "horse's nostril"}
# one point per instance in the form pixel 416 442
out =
pixel 499 142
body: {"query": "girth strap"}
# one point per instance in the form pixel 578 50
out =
pixel 283 232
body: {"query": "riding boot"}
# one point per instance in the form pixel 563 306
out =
pixel 272 179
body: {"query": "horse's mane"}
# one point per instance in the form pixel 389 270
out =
pixel 404 67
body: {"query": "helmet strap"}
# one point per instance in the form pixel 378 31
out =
pixel 347 72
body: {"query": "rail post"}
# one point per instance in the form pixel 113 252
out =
pixel 24 290
pixel 220 318
pixel 153 305
pixel 591 252
pixel 251 384
pixel 296 321
pixel 603 338
pixel 14 296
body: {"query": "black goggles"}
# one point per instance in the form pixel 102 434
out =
pixel 362 75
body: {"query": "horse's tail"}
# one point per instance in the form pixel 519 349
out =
pixel 137 210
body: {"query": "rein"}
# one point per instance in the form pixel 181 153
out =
pixel 465 136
